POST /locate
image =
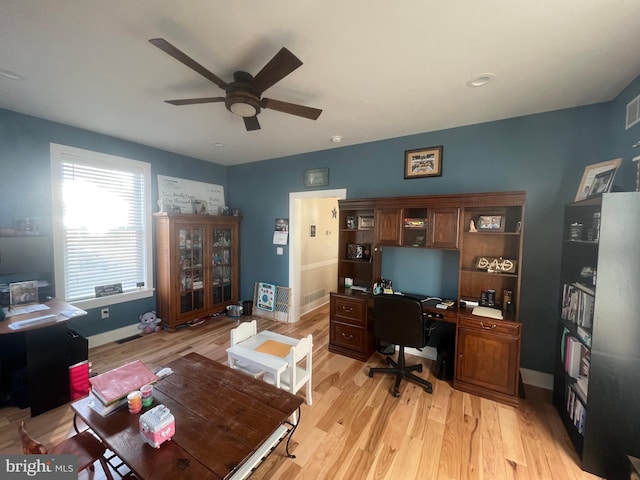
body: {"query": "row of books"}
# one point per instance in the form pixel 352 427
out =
pixel 577 411
pixel 577 304
pixel 575 355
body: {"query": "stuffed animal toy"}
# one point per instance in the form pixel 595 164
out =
pixel 149 322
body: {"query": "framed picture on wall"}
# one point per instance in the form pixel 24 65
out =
pixel 423 162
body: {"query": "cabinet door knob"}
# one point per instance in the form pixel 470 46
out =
pixel 488 327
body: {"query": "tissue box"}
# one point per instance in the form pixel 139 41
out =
pixel 157 426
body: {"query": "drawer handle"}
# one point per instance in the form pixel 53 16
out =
pixel 347 336
pixel 488 327
pixel 345 309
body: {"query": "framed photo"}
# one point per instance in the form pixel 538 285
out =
pixel 602 183
pixel 352 222
pixel 317 177
pixel 590 173
pixel 23 293
pixel 490 223
pixel 423 162
pixel 365 222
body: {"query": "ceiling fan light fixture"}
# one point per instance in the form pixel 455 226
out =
pixel 243 109
pixel 481 80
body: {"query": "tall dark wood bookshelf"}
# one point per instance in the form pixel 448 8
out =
pixel 603 266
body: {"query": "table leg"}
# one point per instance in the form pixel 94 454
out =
pixel 293 429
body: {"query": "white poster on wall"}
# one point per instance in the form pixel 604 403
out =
pixel 189 196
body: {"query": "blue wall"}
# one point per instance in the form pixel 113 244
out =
pixel 25 186
pixel 543 154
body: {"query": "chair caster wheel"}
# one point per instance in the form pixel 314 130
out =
pixel 396 394
pixel 370 373
pixel 420 367
pixel 429 389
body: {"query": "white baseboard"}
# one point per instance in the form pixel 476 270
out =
pixel 537 379
pixel 113 335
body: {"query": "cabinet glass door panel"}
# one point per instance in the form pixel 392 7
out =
pixel 191 269
pixel 221 265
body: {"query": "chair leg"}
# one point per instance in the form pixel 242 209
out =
pixel 401 370
pixel 105 467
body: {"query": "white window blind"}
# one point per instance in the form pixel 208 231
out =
pixel 102 235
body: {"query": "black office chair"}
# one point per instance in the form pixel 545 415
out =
pixel 398 319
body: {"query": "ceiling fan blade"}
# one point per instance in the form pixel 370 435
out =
pixel 291 108
pixel 282 64
pixel 251 123
pixel 182 57
pixel 193 101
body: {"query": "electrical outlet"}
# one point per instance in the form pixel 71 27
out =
pixel 105 313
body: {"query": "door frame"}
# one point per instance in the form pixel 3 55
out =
pixel 295 229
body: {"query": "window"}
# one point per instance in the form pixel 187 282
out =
pixel 101 226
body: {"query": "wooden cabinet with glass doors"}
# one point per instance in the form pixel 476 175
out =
pixel 197 266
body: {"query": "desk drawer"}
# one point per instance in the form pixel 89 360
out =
pixel 348 336
pixel 349 310
pixel 503 327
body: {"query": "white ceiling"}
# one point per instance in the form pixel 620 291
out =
pixel 378 68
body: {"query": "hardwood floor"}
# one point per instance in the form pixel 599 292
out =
pixel 355 428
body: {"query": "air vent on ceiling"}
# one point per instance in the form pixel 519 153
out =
pixel 633 112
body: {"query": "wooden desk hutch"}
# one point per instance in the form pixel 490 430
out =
pixel 439 222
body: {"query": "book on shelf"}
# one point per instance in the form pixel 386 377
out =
pixel 573 356
pixel 115 384
pixel 577 305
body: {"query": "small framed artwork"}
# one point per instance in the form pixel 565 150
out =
pixel 352 222
pixel 423 162
pixel 490 223
pixel 317 177
pixel 602 183
pixel 365 222
pixel 589 176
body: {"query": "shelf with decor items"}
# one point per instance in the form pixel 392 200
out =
pixel 197 265
pixel 596 391
pixel 491 253
pixel 356 243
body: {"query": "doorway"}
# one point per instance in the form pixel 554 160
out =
pixel 305 237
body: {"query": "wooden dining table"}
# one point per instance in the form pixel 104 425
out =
pixel 226 422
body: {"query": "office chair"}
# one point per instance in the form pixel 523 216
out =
pixel 85 445
pixel 398 319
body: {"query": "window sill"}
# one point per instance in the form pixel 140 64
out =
pixel 113 299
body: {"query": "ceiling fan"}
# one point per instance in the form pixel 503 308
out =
pixel 244 95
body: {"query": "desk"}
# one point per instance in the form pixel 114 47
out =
pixel 222 418
pixel 246 352
pixel 47 353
